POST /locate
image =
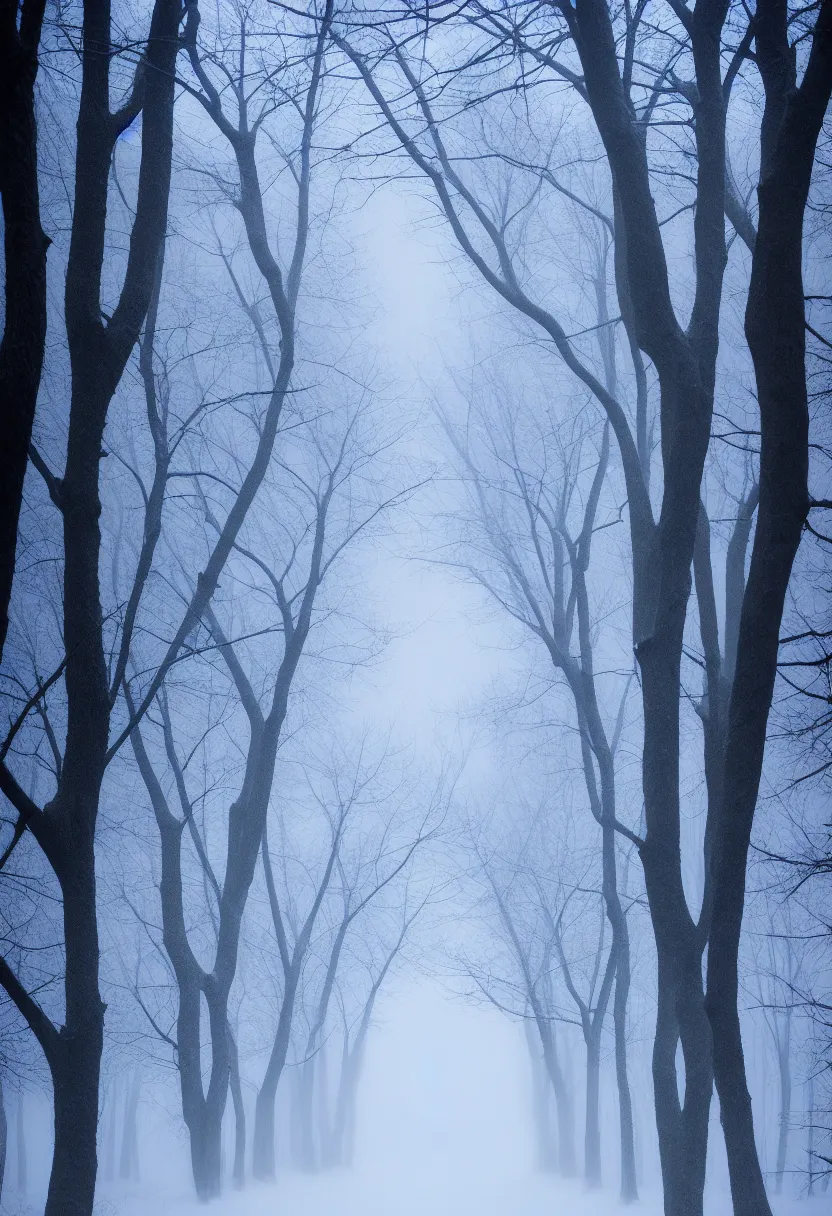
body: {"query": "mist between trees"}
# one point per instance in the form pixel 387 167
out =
pixel 224 851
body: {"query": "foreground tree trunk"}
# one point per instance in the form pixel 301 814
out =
pixel 65 829
pixel 662 552
pixel 775 328
pixel 25 245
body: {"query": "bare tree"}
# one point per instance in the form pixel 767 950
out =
pixel 595 51
pixel 99 349
pixel 338 1137
pixel 592 1010
pixel 776 332
pixel 524 480
pixel 518 978
pixel 375 836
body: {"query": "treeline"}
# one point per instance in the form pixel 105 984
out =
pixel 199 457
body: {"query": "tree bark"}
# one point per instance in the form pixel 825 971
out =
pixel 775 328
pixel 65 830
pixel 592 1135
pixel 25 246
pixel 238 1172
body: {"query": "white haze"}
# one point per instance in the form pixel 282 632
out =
pixel 444 1122
pixel 444 1116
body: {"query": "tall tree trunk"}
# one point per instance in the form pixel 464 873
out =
pixel 592 1129
pixel 204 1111
pixel 775 328
pixel 238 1173
pixel 620 950
pixel 25 245
pixel 98 352
pixel 680 1017
pixel 663 552
pixel 629 1182
pixel 75 1076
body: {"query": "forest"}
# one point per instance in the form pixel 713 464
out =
pixel 415 620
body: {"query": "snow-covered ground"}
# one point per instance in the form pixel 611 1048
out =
pixel 429 1191
pixel 443 1131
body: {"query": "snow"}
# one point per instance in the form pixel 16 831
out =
pixel 443 1131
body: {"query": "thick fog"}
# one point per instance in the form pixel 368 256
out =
pixel 414 608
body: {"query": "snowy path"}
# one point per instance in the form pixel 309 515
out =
pixel 421 1194
pixel 443 1131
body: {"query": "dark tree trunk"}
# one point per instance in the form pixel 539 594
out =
pixel 203 1112
pixel 592 1130
pixel 775 328
pixel 680 1017
pixel 238 1172
pixel 75 1075
pixel 629 1183
pixel 662 553
pixel 620 946
pixel 25 245
pixel 65 830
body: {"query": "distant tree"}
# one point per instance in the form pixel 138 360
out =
pixel 698 55
pixel 533 483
